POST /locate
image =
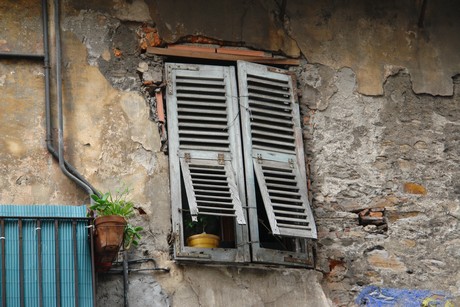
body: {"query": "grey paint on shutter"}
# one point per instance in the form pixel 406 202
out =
pixel 206 131
pixel 211 188
pixel 274 149
pixel 283 191
pixel 205 150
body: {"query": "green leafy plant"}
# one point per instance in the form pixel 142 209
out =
pixel 118 204
pixel 199 226
pixel 204 224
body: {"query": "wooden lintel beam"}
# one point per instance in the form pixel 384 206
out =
pixel 220 56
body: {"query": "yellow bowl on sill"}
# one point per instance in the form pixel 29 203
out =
pixel 203 240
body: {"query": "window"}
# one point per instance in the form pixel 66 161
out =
pixel 236 156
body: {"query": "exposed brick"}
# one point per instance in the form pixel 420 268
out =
pixel 375 214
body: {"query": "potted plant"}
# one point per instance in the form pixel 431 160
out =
pixel 112 229
pixel 197 232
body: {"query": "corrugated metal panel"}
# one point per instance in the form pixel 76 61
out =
pixel 69 283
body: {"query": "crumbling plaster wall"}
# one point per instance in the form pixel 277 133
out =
pixel 371 125
pixel 398 152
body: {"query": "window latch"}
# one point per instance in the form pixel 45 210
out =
pixel 291 163
pixel 260 160
pixel 220 159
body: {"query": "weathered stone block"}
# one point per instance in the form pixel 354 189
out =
pixel 381 259
pixel 414 188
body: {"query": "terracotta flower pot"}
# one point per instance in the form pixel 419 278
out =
pixel 109 231
pixel 203 240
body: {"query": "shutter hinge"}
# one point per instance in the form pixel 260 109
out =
pixel 291 163
pixel 168 81
pixel 221 159
pixel 260 160
pixel 187 157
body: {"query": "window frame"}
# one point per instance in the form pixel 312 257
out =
pixel 247 250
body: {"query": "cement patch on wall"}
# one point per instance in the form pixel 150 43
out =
pixel 370 36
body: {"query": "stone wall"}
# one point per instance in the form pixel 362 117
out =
pixel 381 117
pixel 397 152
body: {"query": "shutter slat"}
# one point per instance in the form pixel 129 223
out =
pixel 285 106
pixel 270 112
pixel 213 192
pixel 258 119
pixel 199 185
pixel 210 90
pixel 209 126
pixel 204 140
pixel 284 192
pixel 214 133
pixel 269 90
pixel 201 111
pixel 288 212
pixel 273 185
pixel 218 214
pixel 290 200
pixel 267 82
pixel 261 125
pixel 222 204
pixel 203 118
pixel 197 180
pixel 274 134
pixel 204 147
pixel 284 180
pixel 269 141
pixel 206 104
pixel 296 207
pixel 291 219
pixel 206 196
pixel 200 81
pixel 216 208
pixel 189 96
pixel 267 98
pixel 293 226
pixel 279 171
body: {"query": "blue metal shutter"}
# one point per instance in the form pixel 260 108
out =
pixel 21 284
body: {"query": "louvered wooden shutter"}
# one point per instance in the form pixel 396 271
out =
pixel 274 149
pixel 204 135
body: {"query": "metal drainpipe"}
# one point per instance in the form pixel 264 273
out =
pixel 125 279
pixel 82 182
pixel 63 164
pixel 49 136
